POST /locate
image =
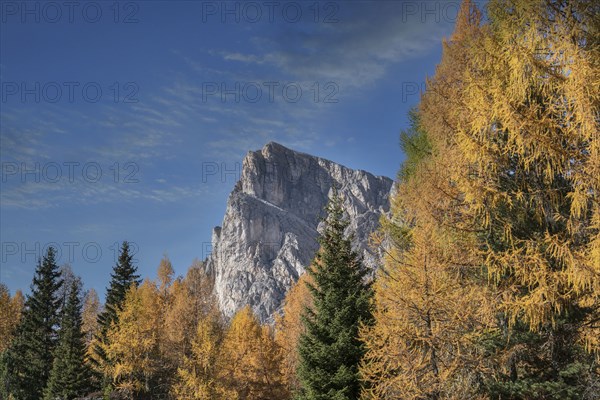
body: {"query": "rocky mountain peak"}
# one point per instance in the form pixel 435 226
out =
pixel 268 235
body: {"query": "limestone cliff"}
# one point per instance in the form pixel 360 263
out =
pixel 268 235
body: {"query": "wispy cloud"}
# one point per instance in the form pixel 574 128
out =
pixel 357 51
pixel 44 194
pixel 248 58
pixel 174 118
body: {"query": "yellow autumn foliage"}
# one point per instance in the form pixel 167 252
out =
pixel 289 327
pixel 532 143
pixel 133 343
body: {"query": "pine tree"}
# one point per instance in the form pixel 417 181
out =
pixel 330 349
pixel 70 375
pixel 122 278
pixel 30 357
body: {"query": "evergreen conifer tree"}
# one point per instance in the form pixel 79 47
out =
pixel 70 375
pixel 330 349
pixel 30 357
pixel 124 275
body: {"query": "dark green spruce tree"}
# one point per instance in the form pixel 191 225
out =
pixel 330 350
pixel 123 276
pixel 70 376
pixel 30 357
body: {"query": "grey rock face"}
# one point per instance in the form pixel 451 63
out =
pixel 271 223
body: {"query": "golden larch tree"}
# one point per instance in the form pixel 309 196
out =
pixel 289 327
pixel 249 359
pixel 89 315
pixel 133 346
pixel 10 313
pixel 198 376
pixel 431 301
pixel 531 142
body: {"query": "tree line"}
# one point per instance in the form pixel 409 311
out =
pixel 489 287
pixel 166 338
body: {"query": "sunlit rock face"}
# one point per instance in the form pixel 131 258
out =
pixel 273 215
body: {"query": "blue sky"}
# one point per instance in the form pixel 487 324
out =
pixel 129 120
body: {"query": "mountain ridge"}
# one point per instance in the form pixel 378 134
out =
pixel 273 215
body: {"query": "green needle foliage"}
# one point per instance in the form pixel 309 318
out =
pixel 124 275
pixel 30 357
pixel 70 376
pixel 330 350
